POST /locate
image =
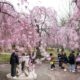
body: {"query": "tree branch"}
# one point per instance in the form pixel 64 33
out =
pixel 7 14
pixel 1 2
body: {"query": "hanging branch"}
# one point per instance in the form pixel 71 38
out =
pixel 8 4
pixel 76 1
pixel 4 12
pixel 7 14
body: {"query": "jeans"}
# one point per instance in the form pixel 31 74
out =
pixel 23 65
pixel 60 64
pixel 13 70
pixel 72 67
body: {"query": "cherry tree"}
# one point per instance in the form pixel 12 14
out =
pixel 26 34
pixel 44 20
pixel 6 12
pixel 39 28
pixel 68 36
pixel 15 28
pixel 74 26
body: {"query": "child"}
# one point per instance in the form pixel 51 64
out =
pixel 52 61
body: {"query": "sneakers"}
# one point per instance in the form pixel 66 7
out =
pixel 14 77
pixel 73 71
pixel 70 70
pixel 52 69
pixel 65 69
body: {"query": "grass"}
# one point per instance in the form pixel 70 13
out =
pixel 4 58
pixel 54 51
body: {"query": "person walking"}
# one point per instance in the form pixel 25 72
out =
pixel 52 61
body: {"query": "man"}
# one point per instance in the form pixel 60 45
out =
pixel 71 59
pixel 14 61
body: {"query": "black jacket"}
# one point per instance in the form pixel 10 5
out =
pixel 59 57
pixel 71 59
pixel 65 59
pixel 14 59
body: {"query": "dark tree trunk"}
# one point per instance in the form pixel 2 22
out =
pixel 38 55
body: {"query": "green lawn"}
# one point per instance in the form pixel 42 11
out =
pixel 4 58
pixel 54 51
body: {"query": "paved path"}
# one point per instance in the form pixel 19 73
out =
pixel 44 73
pixel 57 74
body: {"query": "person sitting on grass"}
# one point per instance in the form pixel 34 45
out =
pixel 52 61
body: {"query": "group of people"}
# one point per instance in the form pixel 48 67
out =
pixel 24 63
pixel 21 63
pixel 65 62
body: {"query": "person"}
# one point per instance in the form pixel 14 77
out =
pixel 78 62
pixel 52 61
pixel 71 59
pixel 33 56
pixel 14 61
pixel 23 62
pixel 60 58
pixel 65 61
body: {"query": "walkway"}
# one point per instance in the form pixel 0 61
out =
pixel 44 73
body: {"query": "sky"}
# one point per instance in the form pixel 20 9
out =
pixel 62 7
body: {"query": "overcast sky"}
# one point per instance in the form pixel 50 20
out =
pixel 60 6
